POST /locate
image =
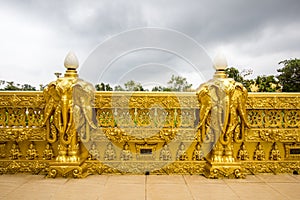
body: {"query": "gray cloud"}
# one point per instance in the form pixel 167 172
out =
pixel 36 35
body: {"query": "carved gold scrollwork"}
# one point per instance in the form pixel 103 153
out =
pixel 116 135
pixel 105 117
pixel 3 117
pixel 255 118
pixel 292 118
pixel 273 118
pixel 16 117
pixel 259 153
pixel 35 117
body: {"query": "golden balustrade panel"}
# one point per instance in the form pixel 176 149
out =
pixel 153 125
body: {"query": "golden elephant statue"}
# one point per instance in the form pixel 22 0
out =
pixel 222 116
pixel 69 115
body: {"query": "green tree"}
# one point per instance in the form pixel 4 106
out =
pixel 27 87
pixel 240 76
pixel 10 85
pixel 119 88
pixel 103 87
pixel 133 86
pixel 289 76
pixel 267 83
pixel 179 84
pixel 161 89
pixel 42 87
pixel 235 74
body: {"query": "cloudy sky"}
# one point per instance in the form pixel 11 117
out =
pixel 147 41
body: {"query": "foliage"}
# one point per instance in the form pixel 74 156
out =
pixel 161 89
pixel 259 84
pixel 133 86
pixel 119 88
pixel 240 76
pixel 235 74
pixel 267 84
pixel 130 86
pixel 289 76
pixel 103 87
pixel 179 84
pixel 11 86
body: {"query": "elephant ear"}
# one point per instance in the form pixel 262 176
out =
pixel 83 97
pixel 52 99
pixel 50 92
pixel 243 95
pixel 204 99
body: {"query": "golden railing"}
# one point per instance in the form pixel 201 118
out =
pixel 146 121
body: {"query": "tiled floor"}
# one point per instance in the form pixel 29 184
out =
pixel 150 187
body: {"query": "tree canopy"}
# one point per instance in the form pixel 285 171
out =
pixel 176 84
pixel 289 76
pixel 179 84
pixel 10 85
pixel 258 84
pixel 103 87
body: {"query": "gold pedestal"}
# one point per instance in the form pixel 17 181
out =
pixel 223 170
pixel 70 169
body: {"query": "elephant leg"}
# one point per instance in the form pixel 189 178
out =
pixel 228 157
pixel 217 152
pixel 62 153
pixel 73 149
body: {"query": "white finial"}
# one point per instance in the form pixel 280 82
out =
pixel 71 61
pixel 220 62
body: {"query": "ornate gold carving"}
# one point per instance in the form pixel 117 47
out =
pixel 94 153
pixel 110 152
pixel 22 99
pixel 165 153
pixel 31 152
pixel 23 166
pixel 223 170
pixel 181 153
pixel 2 150
pixel 15 152
pixel 292 118
pixel 198 153
pixel 273 118
pixel 243 153
pixel 275 167
pixel 259 153
pixel 140 167
pixel 275 153
pixel 21 134
pixel 260 100
pixel 48 153
pixel 255 118
pixel 126 153
pixel 273 135
pixel 74 171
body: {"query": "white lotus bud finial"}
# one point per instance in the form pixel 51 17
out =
pixel 71 61
pixel 220 62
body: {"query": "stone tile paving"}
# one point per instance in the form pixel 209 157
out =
pixel 152 187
